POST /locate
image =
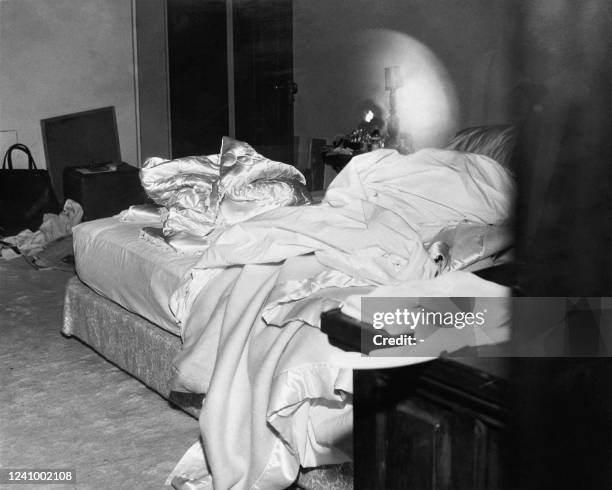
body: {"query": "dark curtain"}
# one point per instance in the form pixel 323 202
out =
pixel 562 433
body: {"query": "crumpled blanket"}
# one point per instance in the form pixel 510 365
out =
pixel 279 396
pixel 201 193
pixel 277 384
pixel 375 219
pixel 54 226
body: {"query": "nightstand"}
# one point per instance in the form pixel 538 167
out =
pixel 337 161
pixel 103 194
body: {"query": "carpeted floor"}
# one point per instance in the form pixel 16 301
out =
pixel 64 406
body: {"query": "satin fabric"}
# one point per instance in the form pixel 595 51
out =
pixel 141 213
pixel 458 247
pixel 202 193
pixel 140 275
pixel 187 188
pixel 249 176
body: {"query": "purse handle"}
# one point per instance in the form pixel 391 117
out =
pixel 7 162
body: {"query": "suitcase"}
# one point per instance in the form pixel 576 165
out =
pixel 105 193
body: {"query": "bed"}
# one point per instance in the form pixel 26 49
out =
pixel 140 340
pixel 118 305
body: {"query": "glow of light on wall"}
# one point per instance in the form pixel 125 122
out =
pixel 426 103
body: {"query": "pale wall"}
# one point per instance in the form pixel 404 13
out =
pixel 64 56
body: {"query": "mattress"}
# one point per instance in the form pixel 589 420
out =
pixel 114 261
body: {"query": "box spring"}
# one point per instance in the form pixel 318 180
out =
pixel 146 351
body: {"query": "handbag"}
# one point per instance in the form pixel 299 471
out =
pixel 25 194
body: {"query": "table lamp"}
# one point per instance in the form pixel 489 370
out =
pixel 393 81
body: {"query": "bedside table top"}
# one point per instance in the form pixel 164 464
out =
pixel 337 160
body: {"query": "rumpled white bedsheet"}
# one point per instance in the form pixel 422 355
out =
pixel 277 387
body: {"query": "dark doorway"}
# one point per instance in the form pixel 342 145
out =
pixel 264 87
pixel 197 46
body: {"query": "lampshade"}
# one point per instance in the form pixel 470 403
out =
pixel 393 78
